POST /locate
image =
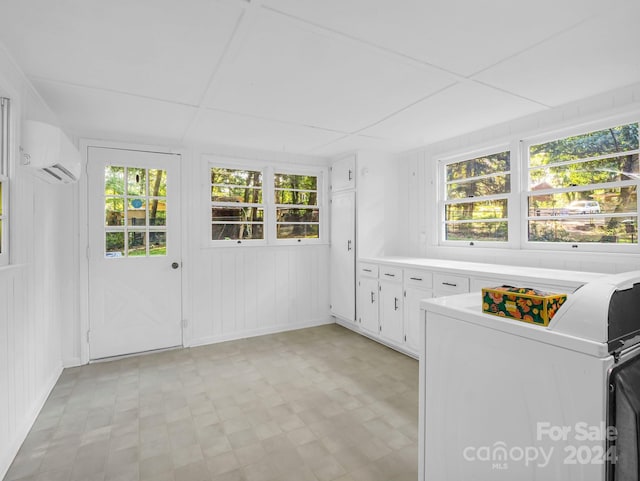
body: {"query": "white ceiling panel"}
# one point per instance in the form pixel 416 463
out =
pixel 155 48
pixel 288 71
pixel 98 114
pixel 459 35
pixel 352 143
pixel 214 127
pixel 593 58
pixel 463 108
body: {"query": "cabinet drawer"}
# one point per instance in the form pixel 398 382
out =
pixel 388 273
pixel 448 284
pixel 368 270
pixel 418 278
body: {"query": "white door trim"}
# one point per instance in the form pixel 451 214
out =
pixel 83 216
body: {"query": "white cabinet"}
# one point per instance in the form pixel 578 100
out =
pixel 389 293
pixel 391 305
pixel 343 258
pixel 417 286
pixel 368 305
pixel 343 174
pixel 445 284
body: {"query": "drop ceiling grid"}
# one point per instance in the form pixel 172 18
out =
pixel 289 72
pixel 308 76
pixel 459 36
pixel 164 50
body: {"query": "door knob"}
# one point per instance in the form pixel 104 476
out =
pixel 175 265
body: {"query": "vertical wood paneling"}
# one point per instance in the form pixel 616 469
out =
pixel 4 364
pixel 241 292
pixel 30 360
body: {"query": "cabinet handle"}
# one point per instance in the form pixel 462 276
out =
pixel 395 303
pixel 348 245
pixel 367 270
pixel 389 275
pixel 449 284
pixel 350 174
pixel 416 278
pixel 373 299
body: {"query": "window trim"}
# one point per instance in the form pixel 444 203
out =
pixel 225 164
pixel 268 170
pixel 511 197
pixel 562 133
pixel 322 224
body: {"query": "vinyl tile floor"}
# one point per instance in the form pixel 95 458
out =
pixel 315 404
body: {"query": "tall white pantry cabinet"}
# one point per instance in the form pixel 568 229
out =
pixel 343 239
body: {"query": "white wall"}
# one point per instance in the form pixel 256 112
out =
pixel 420 202
pixel 377 209
pixel 241 291
pixel 38 291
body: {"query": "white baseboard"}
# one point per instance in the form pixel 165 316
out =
pixel 355 328
pixel 25 425
pixel 262 331
pixel 72 362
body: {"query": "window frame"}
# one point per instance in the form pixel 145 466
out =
pixel 525 192
pixel 236 166
pixel 322 224
pixel 269 205
pixel 511 197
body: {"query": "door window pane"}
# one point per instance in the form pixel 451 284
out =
pixel 136 181
pixel 114 244
pixel 157 212
pixel 157 243
pixel 144 193
pixel 113 180
pixel 137 244
pixel 114 211
pixel 137 212
pixel 157 183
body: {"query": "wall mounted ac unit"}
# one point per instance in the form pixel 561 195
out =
pixel 47 150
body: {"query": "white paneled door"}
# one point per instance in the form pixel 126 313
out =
pixel 135 299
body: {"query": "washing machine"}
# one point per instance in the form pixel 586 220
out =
pixel 501 399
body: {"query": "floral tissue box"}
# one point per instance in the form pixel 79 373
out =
pixel 528 305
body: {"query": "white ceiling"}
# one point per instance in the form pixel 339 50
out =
pixel 311 76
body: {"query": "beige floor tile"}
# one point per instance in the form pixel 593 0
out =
pixel 319 404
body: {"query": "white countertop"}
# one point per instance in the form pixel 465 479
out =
pixel 468 308
pixel 520 273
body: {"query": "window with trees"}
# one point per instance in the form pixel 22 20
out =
pixel 266 205
pixel 296 206
pixel 583 188
pixel 237 208
pixel 476 198
pixel 135 212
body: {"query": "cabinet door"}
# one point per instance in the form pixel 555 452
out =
pixel 343 174
pixel 368 304
pixel 391 321
pixel 343 260
pixel 412 318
